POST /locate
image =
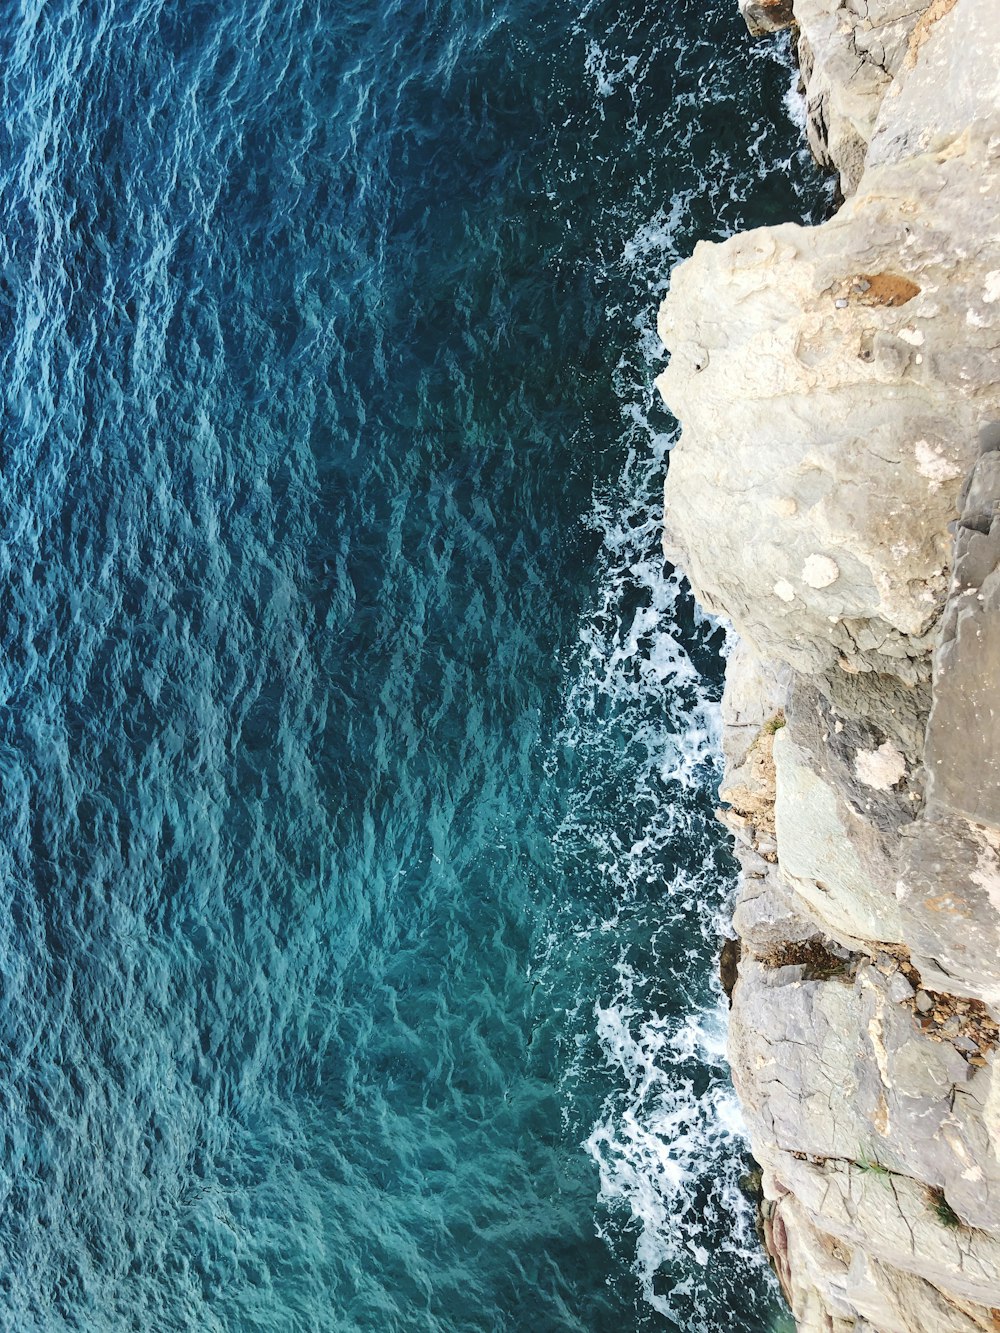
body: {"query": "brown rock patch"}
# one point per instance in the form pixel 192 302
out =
pixel 884 290
pixel 922 28
pixel 729 964
pixel 753 799
pixel 817 960
pixel 967 1024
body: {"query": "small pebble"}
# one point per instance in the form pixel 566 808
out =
pixel 841 302
pixel 924 1002
pixel 900 989
pixel 951 1027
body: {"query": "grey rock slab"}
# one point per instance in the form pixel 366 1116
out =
pixel 835 493
pixel 819 851
pixel 766 16
pixel 948 889
pixel 963 737
pixel 766 914
pixel 895 1222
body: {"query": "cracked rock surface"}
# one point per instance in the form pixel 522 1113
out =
pixel 836 494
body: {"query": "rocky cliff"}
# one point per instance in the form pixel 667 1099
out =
pixel 836 494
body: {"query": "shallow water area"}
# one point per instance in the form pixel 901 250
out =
pixel 359 885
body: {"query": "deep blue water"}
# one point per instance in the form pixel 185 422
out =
pixel 358 885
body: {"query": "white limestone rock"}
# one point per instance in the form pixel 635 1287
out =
pixel 849 53
pixel 833 438
pixel 836 493
pixel 819 851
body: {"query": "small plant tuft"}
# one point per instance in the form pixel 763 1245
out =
pixel 774 724
pixel 866 1162
pixel 942 1209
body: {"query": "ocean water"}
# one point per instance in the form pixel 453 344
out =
pixel 359 891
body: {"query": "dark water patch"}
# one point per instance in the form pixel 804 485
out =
pixel 352 746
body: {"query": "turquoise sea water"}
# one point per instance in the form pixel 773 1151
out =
pixel 359 890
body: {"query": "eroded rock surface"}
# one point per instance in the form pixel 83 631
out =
pixel 836 494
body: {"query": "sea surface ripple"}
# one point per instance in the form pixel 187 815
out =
pixel 358 882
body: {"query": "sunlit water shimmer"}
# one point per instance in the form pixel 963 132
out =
pixel 359 885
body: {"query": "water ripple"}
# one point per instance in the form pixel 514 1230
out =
pixel 356 864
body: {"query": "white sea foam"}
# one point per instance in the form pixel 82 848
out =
pixel 661 1143
pixel 668 1141
pixel 604 76
pixel 642 724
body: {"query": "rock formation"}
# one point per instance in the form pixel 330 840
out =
pixel 836 494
